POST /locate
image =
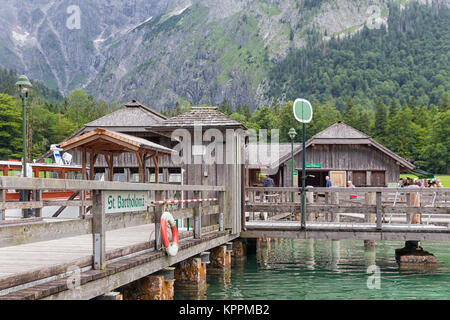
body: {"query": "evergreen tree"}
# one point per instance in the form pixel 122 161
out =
pixel 393 108
pixel 10 128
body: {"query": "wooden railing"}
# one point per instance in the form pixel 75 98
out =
pixel 380 205
pixel 206 216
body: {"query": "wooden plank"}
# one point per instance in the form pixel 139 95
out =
pixel 98 229
pixel 379 210
pixel 66 203
pixel 21 205
pixel 108 283
pixel 68 184
pixel 37 196
pixel 197 217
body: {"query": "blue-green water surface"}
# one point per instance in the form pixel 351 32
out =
pixel 326 269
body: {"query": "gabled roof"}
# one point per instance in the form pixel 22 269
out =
pixel 261 155
pixel 207 117
pixel 102 140
pixel 133 114
pixel 341 133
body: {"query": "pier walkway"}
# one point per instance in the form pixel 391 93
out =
pixel 349 213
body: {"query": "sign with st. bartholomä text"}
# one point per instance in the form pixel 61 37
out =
pixel 125 201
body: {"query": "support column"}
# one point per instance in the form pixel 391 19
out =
pixel 110 296
pixel 3 201
pixel 220 258
pixel 158 286
pixel 371 200
pixel 190 276
pixel 413 255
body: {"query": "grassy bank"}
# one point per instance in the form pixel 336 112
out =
pixel 445 178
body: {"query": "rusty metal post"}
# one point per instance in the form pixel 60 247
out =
pixel 158 214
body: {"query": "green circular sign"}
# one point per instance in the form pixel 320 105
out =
pixel 303 110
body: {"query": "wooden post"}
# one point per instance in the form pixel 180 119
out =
pixel 3 200
pixel 37 196
pixel 335 201
pixel 379 211
pixel 197 216
pixel 140 161
pixel 92 159
pixel 82 210
pixel 83 164
pixel 158 213
pixel 155 161
pixel 98 229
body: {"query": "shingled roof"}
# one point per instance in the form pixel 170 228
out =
pixel 260 155
pixel 341 133
pixel 207 117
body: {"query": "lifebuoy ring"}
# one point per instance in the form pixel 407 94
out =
pixel 171 248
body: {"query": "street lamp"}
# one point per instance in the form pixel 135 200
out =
pixel 292 135
pixel 23 85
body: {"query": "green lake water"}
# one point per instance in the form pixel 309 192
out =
pixel 324 269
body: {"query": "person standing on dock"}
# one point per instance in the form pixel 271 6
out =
pixel 268 183
pixel 28 192
pixel 328 184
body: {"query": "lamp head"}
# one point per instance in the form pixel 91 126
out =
pixel 292 133
pixel 23 84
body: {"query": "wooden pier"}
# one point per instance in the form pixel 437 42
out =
pixel 350 213
pixel 50 258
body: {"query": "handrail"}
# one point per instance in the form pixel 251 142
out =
pixel 67 184
pixel 350 190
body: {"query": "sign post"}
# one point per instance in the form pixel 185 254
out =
pixel 303 113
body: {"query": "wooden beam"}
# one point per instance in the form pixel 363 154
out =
pixel 83 164
pixel 92 159
pixel 158 213
pixel 3 201
pixel 98 230
pixel 141 166
pixel 155 162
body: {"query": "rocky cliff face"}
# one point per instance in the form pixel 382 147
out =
pixel 164 51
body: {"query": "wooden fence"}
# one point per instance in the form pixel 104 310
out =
pixel 206 216
pixel 370 204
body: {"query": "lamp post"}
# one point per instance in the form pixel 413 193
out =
pixel 292 135
pixel 23 85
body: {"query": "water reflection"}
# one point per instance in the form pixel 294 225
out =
pixel 327 269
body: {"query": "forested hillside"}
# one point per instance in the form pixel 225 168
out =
pixel 408 59
pixel 50 117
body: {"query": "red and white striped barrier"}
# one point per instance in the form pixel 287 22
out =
pixel 183 201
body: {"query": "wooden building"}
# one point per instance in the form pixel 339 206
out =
pixel 262 158
pixel 343 153
pixel 132 119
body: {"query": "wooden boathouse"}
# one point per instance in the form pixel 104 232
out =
pixel 341 152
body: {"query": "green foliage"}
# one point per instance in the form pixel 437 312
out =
pixel 410 59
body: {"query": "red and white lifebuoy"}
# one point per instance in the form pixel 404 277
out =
pixel 171 248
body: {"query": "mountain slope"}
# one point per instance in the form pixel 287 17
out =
pixel 164 51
